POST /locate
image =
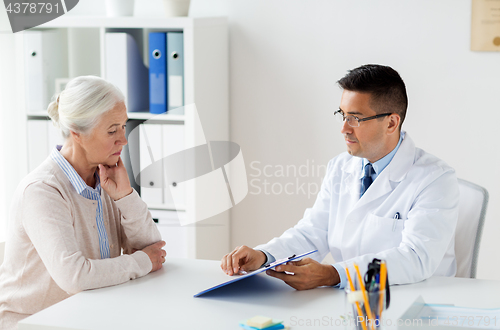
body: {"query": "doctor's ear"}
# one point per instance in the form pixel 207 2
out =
pixel 394 120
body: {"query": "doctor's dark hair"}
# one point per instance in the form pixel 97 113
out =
pixel 387 89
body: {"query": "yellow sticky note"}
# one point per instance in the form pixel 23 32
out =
pixel 259 321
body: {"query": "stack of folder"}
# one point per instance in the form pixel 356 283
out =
pixel 159 88
pixel 166 72
pixel 262 322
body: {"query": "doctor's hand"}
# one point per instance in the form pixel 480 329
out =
pixel 307 274
pixel 242 258
pixel 114 180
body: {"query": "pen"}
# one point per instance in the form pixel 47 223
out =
pixel 351 285
pixel 365 295
pixel 383 277
pixel 397 216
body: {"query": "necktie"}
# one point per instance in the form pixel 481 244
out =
pixel 366 180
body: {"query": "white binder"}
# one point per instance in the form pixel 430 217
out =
pixel 151 180
pixel 176 236
pixel 38 147
pixel 173 142
pixel 54 136
pixel 46 58
pixel 43 136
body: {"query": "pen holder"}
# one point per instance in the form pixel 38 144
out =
pixel 357 314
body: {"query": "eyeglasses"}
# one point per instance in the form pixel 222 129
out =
pixel 354 121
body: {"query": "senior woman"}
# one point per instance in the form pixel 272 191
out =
pixel 75 213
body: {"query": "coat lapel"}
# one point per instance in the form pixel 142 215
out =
pixel 385 183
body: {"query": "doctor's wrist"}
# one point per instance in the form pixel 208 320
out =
pixel 332 277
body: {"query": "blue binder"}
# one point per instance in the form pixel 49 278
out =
pixel 175 71
pixel 158 72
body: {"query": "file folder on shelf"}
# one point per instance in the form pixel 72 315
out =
pixel 173 142
pixel 46 58
pixel 166 72
pixel 158 141
pixel 126 70
pixel 175 235
pixel 175 70
pixel 38 148
pixel 42 137
pixel 151 153
pixel 157 72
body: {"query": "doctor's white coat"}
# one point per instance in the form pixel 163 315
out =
pixel 420 187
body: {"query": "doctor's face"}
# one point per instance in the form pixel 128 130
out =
pixel 369 140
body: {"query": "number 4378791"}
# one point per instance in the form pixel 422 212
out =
pixel 32 8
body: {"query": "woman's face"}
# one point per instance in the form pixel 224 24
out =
pixel 105 142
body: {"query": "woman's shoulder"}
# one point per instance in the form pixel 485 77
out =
pixel 48 174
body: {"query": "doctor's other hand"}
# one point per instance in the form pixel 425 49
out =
pixel 156 254
pixel 242 258
pixel 307 274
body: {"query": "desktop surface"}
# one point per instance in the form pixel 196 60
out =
pixel 164 300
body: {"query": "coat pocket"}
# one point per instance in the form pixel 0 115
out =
pixel 380 233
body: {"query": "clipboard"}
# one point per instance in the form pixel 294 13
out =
pixel 255 272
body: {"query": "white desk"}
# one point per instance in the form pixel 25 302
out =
pixel 164 300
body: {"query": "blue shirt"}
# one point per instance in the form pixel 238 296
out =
pixel 378 167
pixel 88 192
pixel 382 163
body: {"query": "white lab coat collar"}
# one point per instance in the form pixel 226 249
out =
pixel 394 173
pixel 401 159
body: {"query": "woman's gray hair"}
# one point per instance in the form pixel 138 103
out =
pixel 80 105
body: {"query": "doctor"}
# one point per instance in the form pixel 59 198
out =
pixel 383 198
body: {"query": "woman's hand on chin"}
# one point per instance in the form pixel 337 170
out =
pixel 114 180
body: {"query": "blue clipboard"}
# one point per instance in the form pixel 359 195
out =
pixel 255 272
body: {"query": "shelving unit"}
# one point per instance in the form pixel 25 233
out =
pixel 205 85
pixel 131 115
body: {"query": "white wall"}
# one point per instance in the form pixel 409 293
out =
pixel 285 58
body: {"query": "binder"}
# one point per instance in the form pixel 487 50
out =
pixel 151 180
pixel 173 142
pixel 175 70
pixel 157 72
pixel 36 86
pixel 37 143
pixel 54 136
pixel 42 137
pixel 158 141
pixel 126 70
pixel 176 236
pixel 46 60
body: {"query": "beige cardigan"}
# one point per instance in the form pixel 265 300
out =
pixel 52 250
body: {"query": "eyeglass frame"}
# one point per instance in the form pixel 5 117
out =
pixel 341 112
